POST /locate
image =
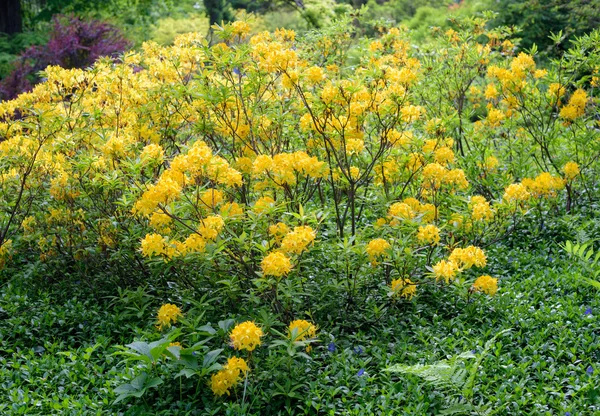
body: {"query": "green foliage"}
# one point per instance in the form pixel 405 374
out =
pixel 452 377
pixel 12 46
pixel 588 258
pixel 538 19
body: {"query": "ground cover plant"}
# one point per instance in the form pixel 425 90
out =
pixel 302 225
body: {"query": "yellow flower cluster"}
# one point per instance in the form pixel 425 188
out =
pixel 486 284
pixel 276 264
pixel 495 117
pixel 299 330
pixel 284 168
pixel 429 234
pixel 211 226
pixel 543 185
pixel 571 170
pixel 228 376
pixel 404 287
pixel 167 315
pixel 481 209
pixel 211 198
pixel 157 245
pixel 435 175
pixel 278 230
pixel 514 78
pixel 516 192
pixel 246 336
pixel 377 248
pixel 298 240
pixel 263 205
pixel 576 106
pixel 197 162
pixel 152 154
pixel 409 209
pixel 460 259
pixel 445 270
pixel 466 258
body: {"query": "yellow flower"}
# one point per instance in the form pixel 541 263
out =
pixel 491 92
pixel 211 226
pixel 576 106
pixel 445 269
pixel 297 241
pixel 315 74
pixel 429 234
pixel 377 248
pixel 435 173
pixel 354 146
pixel 486 284
pixel 228 376
pixel 444 155
pixel 193 244
pixel 571 170
pixel 404 287
pixel 231 210
pixel 466 258
pixel 240 28
pixel 482 212
pixel 490 163
pixel 544 184
pixel 168 314
pixel 495 117
pixel 276 264
pixel 246 336
pixel 278 230
pixel 263 204
pixel 380 222
pixel 211 197
pixel 153 154
pixel 303 330
pixel 153 245
pixel 401 210
pixel 516 192
pixel 5 249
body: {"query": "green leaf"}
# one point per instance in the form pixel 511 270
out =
pixel 207 329
pixel 211 357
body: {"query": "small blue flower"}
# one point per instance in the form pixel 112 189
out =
pixel 236 71
pixel 331 347
pixel 590 370
pixel 358 350
pixel 568 414
pixel 588 311
pixel 361 372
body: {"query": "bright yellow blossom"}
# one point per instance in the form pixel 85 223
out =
pixel 167 315
pixel 246 336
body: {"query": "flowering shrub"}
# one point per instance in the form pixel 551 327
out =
pixel 263 168
pixel 186 154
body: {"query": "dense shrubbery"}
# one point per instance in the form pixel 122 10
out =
pixel 73 43
pixel 293 181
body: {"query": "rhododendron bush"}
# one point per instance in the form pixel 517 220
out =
pixel 260 162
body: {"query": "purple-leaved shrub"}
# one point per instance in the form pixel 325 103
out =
pixel 74 43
